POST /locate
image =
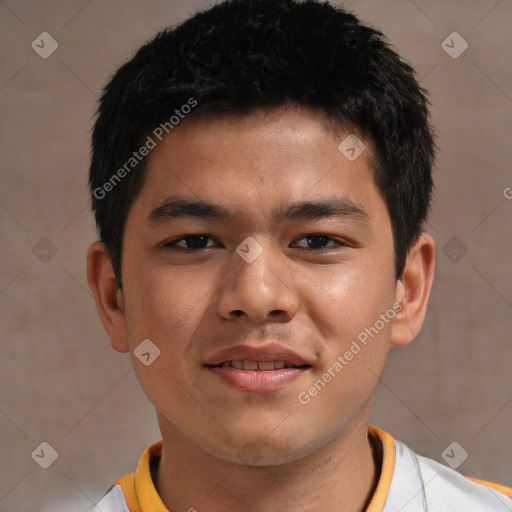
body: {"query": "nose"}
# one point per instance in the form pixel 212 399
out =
pixel 261 290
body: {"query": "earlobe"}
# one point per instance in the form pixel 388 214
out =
pixel 109 299
pixel 413 291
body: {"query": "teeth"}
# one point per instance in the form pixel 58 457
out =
pixel 265 365
pixel 250 365
pixel 257 365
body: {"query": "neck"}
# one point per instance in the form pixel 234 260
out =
pixel 340 476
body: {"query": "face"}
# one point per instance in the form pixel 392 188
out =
pixel 290 264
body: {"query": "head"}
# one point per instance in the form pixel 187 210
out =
pixel 236 114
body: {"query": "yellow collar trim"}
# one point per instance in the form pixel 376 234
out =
pixel 141 495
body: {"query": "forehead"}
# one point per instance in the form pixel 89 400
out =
pixel 256 164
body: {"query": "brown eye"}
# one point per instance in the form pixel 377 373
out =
pixel 318 241
pixel 189 242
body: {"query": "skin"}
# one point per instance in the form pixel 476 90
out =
pixel 190 304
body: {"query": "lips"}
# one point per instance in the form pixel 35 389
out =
pixel 259 369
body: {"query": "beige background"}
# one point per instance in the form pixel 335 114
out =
pixel 60 381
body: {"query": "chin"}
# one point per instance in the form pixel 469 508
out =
pixel 263 449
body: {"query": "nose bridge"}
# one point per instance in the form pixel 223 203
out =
pixel 256 284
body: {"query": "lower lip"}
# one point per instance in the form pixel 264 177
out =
pixel 257 381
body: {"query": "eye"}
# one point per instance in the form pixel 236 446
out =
pixel 318 240
pixel 200 241
pixel 189 242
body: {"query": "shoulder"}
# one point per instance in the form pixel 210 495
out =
pixel 422 484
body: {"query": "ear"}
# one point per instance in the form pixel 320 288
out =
pixel 413 290
pixel 109 298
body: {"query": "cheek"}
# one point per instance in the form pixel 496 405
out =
pixel 355 355
pixel 165 307
pixel 165 303
pixel 348 306
pixel 343 303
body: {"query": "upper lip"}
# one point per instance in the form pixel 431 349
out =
pixel 267 352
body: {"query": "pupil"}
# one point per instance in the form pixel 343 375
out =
pixel 195 242
pixel 322 238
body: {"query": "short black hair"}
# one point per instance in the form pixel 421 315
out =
pixel 243 55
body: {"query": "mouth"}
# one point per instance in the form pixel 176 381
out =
pixel 261 369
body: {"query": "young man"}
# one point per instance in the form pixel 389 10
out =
pixel 260 178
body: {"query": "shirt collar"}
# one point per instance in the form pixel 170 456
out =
pixel 150 501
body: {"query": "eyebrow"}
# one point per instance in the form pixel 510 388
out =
pixel 332 207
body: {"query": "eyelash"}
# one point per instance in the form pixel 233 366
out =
pixel 172 244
